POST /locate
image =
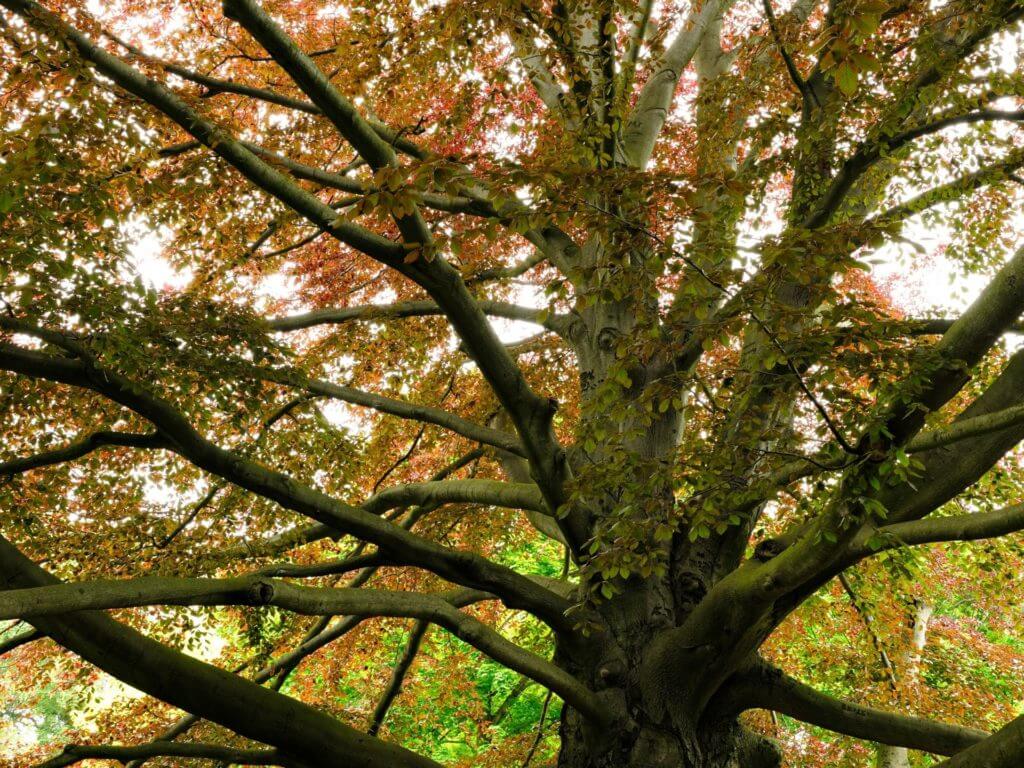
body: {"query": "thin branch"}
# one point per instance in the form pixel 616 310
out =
pixel 806 92
pixel 540 731
pixel 938 326
pixel 506 705
pixel 306 534
pixel 369 312
pixel 402 667
pixel 400 408
pixel 514 270
pixel 864 612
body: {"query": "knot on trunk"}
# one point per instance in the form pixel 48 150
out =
pixel 261 593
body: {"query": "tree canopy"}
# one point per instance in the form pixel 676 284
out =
pixel 497 383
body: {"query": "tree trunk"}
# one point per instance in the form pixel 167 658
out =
pixel 653 745
pixel 897 757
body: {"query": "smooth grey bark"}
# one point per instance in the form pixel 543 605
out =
pixel 898 757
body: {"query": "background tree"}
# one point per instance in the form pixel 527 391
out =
pixel 717 416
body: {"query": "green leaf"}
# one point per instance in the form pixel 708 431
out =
pixel 846 79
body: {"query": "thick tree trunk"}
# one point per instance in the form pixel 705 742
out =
pixel 652 745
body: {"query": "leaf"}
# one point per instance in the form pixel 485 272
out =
pixel 846 78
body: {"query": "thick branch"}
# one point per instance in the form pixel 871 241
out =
pixel 296 729
pixel 931 530
pixel 75 753
pixel 1002 750
pixel 655 100
pixel 459 567
pixel 35 602
pixel 80 448
pixel 967 428
pixel 773 690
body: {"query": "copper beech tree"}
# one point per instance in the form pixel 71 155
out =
pixel 330 416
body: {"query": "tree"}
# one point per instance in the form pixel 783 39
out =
pixel 718 416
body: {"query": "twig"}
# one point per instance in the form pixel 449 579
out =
pixel 876 641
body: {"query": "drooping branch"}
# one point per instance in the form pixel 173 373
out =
pixel 954 189
pixel 82 447
pixel 766 688
pixel 41 601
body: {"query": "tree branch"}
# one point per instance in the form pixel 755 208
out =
pixel 404 410
pixel 82 447
pixel 76 753
pixel 35 602
pixel 967 428
pixel 655 99
pixel 18 640
pixel 459 567
pixel 1001 750
pixel 298 730
pixel 340 315
pixel 932 530
pixel 806 92
pixel 402 667
pixel 771 689
pixel 939 325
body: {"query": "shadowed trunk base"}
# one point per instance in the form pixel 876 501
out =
pixel 726 745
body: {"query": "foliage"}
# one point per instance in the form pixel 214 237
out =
pixel 523 381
